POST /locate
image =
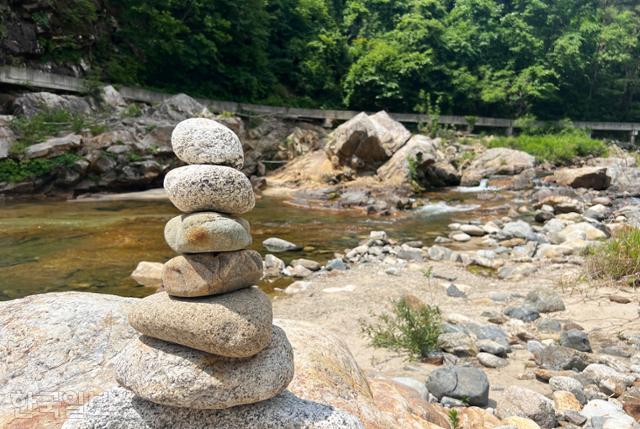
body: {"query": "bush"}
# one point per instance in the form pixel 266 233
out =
pixel 45 124
pixel 557 148
pixel 17 171
pixel 412 327
pixel 617 259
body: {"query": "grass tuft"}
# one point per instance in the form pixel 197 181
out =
pixel 617 259
pixel 558 148
pixel 411 327
pixel 13 171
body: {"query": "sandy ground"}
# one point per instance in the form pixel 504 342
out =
pixel 339 301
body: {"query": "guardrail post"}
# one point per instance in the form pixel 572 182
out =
pixel 632 136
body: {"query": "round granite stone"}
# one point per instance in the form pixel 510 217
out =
pixel 174 375
pixel 205 274
pixel 204 141
pixel 197 188
pixel 207 232
pixel 236 324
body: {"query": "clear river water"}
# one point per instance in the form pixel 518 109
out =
pixel 49 246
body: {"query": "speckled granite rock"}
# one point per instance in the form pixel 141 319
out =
pixel 120 409
pixel 206 274
pixel 235 324
pixel 53 343
pixel 195 188
pixel 204 141
pixel 170 374
pixel 207 232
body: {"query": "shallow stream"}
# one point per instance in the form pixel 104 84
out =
pixel 48 246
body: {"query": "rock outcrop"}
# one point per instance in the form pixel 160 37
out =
pixel 495 162
pixel 365 142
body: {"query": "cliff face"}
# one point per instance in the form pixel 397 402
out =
pixel 54 35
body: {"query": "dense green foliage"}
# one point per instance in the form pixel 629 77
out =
pixel 13 171
pixel 410 327
pixel 559 148
pixel 618 258
pixel 552 58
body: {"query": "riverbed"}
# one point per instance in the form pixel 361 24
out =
pixel 93 246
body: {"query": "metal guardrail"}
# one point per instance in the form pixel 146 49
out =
pixel 22 76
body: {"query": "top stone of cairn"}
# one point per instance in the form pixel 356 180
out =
pixel 204 141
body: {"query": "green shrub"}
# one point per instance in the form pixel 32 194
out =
pixel 411 327
pixel 48 123
pixel 556 148
pixel 616 259
pixel 131 111
pixel 13 171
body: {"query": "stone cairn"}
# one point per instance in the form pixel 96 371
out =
pixel 207 340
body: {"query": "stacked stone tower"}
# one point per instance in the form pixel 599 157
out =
pixel 207 340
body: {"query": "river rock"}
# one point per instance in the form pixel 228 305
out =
pixel 121 409
pixel 521 402
pixel 460 382
pixel 568 384
pixel 586 177
pixel 54 146
pixel 205 141
pixel 206 274
pixel 276 245
pixel 496 161
pixel 491 361
pixel 234 325
pixel 544 301
pixel 457 343
pixel 207 232
pixel 195 188
pixel 422 152
pixel 174 375
pixel 575 339
pixel 148 274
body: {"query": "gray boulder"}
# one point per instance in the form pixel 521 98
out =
pixel 120 409
pixel 366 142
pixel 180 107
pixel 205 141
pixel 460 382
pixel 32 103
pixel 521 402
pixel 174 375
pixel 575 339
pixel 497 161
pixel 54 146
pixel 274 244
pixel 196 188
pixel 586 177
pixel 544 301
pixel 419 148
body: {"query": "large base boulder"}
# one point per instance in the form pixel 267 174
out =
pixel 419 160
pixel 366 142
pixel 586 177
pixel 120 409
pixel 497 161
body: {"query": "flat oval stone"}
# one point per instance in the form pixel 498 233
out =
pixel 236 324
pixel 197 188
pixel 174 375
pixel 204 274
pixel 204 141
pixel 207 232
